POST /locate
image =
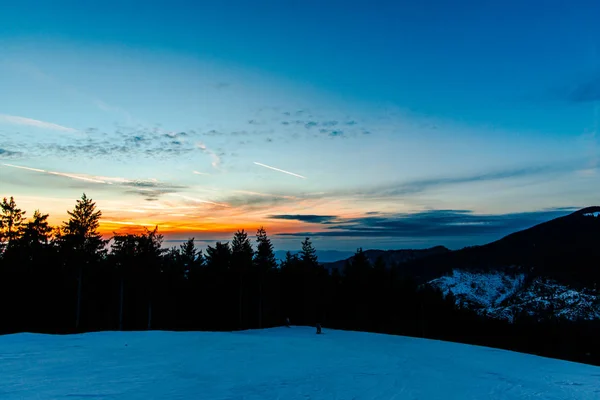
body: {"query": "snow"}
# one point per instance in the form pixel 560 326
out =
pixel 502 295
pixel 482 290
pixel 280 363
pixel 594 214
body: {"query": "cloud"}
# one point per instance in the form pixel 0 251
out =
pixel 8 153
pixel 150 188
pixel 421 185
pixel 16 120
pixel 280 170
pixel 313 219
pixel 430 224
pixel 588 91
pixel 216 158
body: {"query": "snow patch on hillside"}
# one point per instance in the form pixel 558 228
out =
pixel 502 295
pixel 594 214
pixel 479 290
pixel 281 363
pixel 549 298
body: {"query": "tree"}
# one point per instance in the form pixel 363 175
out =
pixel 218 258
pixel 264 261
pixel 241 261
pixel 308 255
pixel 37 231
pixel 290 262
pixel 81 242
pixel 123 252
pixel 11 221
pixel 189 256
pixel 358 266
pixel 34 239
pixel 150 253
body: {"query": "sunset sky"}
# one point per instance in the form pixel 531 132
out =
pixel 356 123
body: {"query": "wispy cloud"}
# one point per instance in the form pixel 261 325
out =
pixel 23 121
pixel 308 218
pixel 394 189
pixel 200 173
pixel 216 158
pixel 196 200
pixel 150 188
pixel 432 223
pixel 279 170
pixel 8 153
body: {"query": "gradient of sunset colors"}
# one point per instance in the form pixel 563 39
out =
pixel 377 124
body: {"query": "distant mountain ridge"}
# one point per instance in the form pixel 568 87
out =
pixel 324 256
pixel 390 257
pixel 551 270
pixel 565 248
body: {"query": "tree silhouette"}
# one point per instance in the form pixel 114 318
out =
pixel 123 253
pixel 241 260
pixel 264 261
pixel 11 221
pixel 81 242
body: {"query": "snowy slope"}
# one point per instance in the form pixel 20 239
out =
pixel 502 295
pixel 281 363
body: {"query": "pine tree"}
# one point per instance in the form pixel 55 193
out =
pixel 189 256
pixel 124 250
pixel 308 255
pixel 264 261
pixel 151 252
pixel 81 242
pixel 218 258
pixel 290 261
pixel 11 222
pixel 37 231
pixel 241 259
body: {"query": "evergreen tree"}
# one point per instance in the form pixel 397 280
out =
pixel 189 256
pixel 264 260
pixel 37 231
pixel 81 242
pixel 218 258
pixel 290 261
pixel 11 222
pixel 151 252
pixel 123 253
pixel 241 259
pixel 308 255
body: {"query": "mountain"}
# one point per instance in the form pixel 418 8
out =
pixel 324 256
pixel 279 363
pixel 551 270
pixel 507 296
pixel 390 257
pixel 565 248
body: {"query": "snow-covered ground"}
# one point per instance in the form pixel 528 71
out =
pixel 280 363
pixel 502 295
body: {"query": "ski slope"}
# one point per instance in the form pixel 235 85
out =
pixel 279 363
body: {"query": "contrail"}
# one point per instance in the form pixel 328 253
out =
pixel 280 170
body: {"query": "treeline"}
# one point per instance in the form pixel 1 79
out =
pixel 69 279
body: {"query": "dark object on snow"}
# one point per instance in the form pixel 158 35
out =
pixel 318 329
pixel 287 322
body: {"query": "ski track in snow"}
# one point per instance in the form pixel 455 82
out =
pixel 278 363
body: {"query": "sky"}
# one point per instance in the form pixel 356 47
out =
pixel 376 124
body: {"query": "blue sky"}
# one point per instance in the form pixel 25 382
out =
pixel 170 113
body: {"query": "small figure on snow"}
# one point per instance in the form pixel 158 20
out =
pixel 318 329
pixel 287 322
